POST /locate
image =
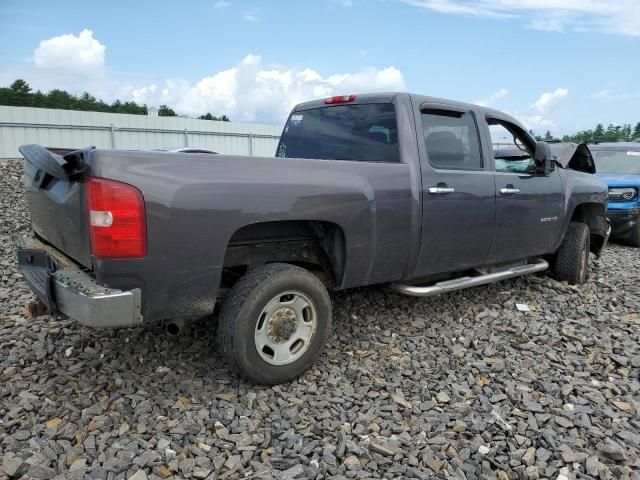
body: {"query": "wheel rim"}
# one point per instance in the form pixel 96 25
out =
pixel 583 264
pixel 285 328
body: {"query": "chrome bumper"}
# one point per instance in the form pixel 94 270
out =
pixel 64 287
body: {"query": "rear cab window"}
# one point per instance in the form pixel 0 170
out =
pixel 357 132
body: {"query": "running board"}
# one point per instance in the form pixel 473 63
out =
pixel 466 282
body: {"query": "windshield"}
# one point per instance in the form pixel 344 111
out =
pixel 617 161
pixel 365 132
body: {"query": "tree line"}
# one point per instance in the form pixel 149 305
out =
pixel 20 94
pixel 612 133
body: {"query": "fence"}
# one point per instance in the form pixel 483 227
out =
pixel 77 129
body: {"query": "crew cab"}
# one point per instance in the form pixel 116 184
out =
pixel 396 189
pixel 618 164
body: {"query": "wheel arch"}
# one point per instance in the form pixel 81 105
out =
pixel 319 246
pixel 594 215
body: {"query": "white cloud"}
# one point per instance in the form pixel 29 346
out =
pixel 609 95
pixel 71 53
pixel 548 99
pixel 140 93
pixel 493 98
pixel 620 17
pixel 251 15
pixel 458 7
pixel 250 91
pixel 538 116
pixel 221 4
pixel 247 91
pixel 536 122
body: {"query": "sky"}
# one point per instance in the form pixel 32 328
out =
pixel 559 65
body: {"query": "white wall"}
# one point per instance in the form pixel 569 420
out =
pixel 75 129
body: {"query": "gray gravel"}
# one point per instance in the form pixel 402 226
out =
pixel 459 386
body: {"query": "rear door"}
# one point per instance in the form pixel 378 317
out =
pixel 528 204
pixel 458 191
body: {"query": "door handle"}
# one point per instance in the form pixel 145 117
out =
pixel 509 190
pixel 439 190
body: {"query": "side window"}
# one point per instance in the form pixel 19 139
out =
pixel 451 139
pixel 511 151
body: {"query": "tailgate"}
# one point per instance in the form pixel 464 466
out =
pixel 55 193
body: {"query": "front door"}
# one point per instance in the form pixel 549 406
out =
pixel 458 191
pixel 528 202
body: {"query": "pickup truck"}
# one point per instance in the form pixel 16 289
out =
pixel 396 189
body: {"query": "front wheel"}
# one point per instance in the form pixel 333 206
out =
pixel 571 262
pixel 274 323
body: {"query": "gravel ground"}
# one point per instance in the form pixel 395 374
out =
pixel 458 386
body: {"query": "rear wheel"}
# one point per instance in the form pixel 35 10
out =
pixel 274 323
pixel 571 261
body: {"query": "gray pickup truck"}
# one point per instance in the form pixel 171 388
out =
pixel 395 189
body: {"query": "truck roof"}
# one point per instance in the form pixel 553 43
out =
pixel 388 97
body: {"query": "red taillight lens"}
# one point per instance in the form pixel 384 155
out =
pixel 117 223
pixel 339 99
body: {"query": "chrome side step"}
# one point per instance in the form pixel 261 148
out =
pixel 466 282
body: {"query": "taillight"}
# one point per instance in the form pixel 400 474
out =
pixel 339 99
pixel 117 221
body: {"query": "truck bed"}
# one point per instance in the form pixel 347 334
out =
pixel 197 204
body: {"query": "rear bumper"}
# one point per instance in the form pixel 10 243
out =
pixel 623 221
pixel 65 288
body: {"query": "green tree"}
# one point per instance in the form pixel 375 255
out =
pixel 57 98
pixel 86 102
pixel 636 132
pixel 20 86
pixel 208 116
pixel 38 99
pixel 6 96
pixel 165 111
pixel 19 94
pixel 598 132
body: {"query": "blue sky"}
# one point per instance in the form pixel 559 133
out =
pixel 561 65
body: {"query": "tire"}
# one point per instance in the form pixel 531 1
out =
pixel 634 238
pixel 257 315
pixel 571 263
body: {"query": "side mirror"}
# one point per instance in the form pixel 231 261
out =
pixel 543 158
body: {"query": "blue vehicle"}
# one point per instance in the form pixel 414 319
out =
pixel 618 164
